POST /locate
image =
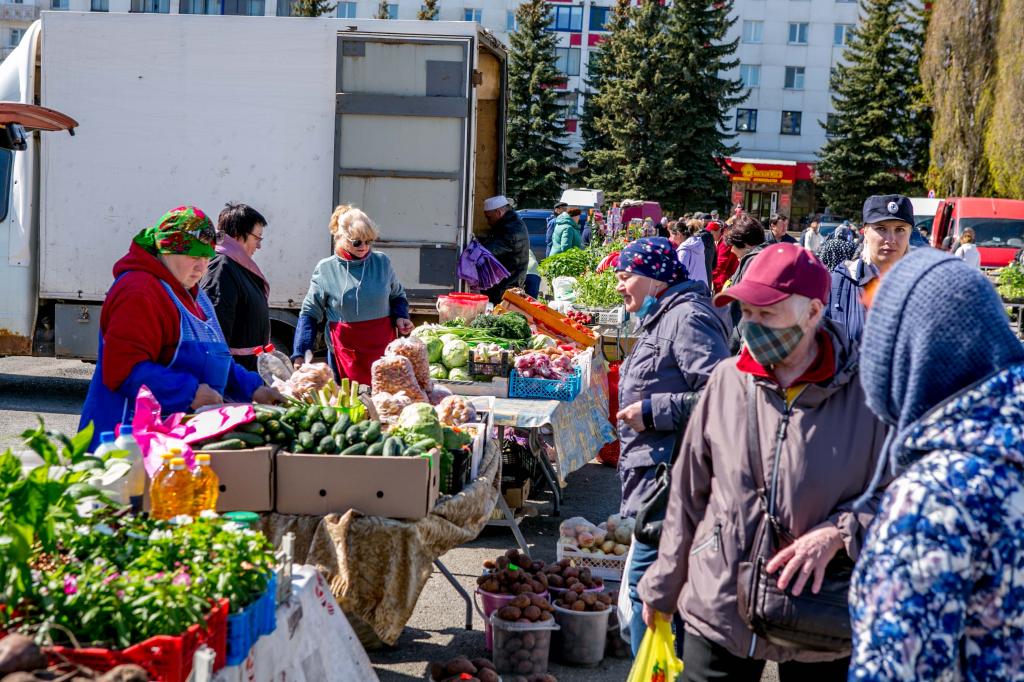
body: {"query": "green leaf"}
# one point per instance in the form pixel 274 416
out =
pixel 80 443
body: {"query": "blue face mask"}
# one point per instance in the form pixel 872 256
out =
pixel 645 307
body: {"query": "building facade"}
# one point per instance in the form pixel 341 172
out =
pixel 787 50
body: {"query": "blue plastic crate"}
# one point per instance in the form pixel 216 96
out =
pixel 545 389
pixel 255 620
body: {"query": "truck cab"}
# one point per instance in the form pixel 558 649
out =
pixel 998 226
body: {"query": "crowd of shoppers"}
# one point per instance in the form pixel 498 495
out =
pixel 843 485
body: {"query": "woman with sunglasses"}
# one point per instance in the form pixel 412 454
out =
pixel 357 294
pixel 235 284
pixel 159 329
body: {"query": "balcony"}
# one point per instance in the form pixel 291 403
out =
pixel 12 12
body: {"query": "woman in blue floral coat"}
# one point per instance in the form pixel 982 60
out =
pixel 938 593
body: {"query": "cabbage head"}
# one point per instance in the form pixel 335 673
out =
pixel 459 374
pixel 438 371
pixel 455 354
pixel 434 347
pixel 421 419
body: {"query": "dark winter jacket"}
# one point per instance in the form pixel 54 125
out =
pixel 678 344
pixel 710 252
pixel 509 242
pixel 241 304
pixel 845 305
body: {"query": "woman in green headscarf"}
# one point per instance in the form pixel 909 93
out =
pixel 159 329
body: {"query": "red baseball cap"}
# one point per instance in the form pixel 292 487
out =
pixel 713 226
pixel 777 273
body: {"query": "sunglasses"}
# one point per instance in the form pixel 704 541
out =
pixel 358 243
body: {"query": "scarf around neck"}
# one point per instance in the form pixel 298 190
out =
pixel 230 247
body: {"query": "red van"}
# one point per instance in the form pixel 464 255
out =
pixel 998 226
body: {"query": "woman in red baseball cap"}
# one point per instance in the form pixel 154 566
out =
pixel 778 448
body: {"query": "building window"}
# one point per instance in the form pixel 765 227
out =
pixel 58 4
pixel 794 78
pixel 599 18
pixel 841 34
pixel 199 7
pixel 746 120
pixel 152 6
pixel 346 10
pixel 567 60
pixel 99 5
pixel 567 19
pixel 511 23
pixel 393 11
pixel 14 37
pixel 753 31
pixel 831 121
pixel 790 123
pixel 252 8
pixel 750 75
pixel 798 33
pixel 470 14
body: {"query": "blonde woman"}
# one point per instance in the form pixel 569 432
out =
pixel 968 250
pixel 357 293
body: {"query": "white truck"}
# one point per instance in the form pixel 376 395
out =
pixel 293 116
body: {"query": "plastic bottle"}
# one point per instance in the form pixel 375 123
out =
pixel 176 491
pixel 134 484
pixel 273 364
pixel 206 485
pixel 106 443
pixel 155 499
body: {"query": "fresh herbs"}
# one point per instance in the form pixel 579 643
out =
pixel 597 290
pixel 508 326
pixel 571 263
pixel 1011 281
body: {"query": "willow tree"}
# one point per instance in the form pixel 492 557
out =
pixel 958 69
pixel 1004 141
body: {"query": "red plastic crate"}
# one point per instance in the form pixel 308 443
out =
pixel 166 658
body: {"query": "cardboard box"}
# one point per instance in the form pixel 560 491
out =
pixel 393 487
pixel 516 497
pixel 246 480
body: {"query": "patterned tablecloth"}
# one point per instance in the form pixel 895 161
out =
pixel 580 427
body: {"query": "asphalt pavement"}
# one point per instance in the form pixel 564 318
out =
pixel 56 389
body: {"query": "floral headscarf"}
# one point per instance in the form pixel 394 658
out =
pixel 653 257
pixel 184 231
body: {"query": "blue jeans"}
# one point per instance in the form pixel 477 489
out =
pixel 644 557
pixel 532 285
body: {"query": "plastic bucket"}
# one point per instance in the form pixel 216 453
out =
pixel 583 636
pixel 489 603
pixel 557 592
pixel 522 648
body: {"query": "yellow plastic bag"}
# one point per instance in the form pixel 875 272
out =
pixel 656 661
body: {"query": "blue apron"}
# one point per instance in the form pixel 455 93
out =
pixel 202 352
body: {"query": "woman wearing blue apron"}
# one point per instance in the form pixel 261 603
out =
pixel 158 329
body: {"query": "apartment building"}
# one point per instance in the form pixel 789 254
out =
pixel 787 50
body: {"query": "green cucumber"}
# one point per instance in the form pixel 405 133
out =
pixel 313 413
pixel 252 427
pixel 356 450
pixel 288 431
pixel 340 442
pixel 393 447
pixel 293 415
pixel 279 437
pixel 328 415
pixel 250 439
pixel 341 426
pixel 372 433
pixel 305 439
pixel 319 430
pixel 375 450
pixel 298 449
pixel 424 443
pixel 226 444
pixel 327 446
pixel 305 423
pixel 354 434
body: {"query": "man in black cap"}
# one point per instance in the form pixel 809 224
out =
pixel 560 208
pixel 888 221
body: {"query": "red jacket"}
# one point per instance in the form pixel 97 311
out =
pixel 727 265
pixel 139 321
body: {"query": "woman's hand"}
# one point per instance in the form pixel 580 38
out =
pixel 206 396
pixel 267 396
pixel 808 555
pixel 298 362
pixel 651 616
pixel 405 325
pixel 633 415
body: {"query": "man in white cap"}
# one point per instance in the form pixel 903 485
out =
pixel 509 242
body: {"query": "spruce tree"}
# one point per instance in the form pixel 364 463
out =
pixel 537 151
pixel 599 74
pixel 869 146
pixel 699 55
pixel 382 10
pixel 630 113
pixel 312 8
pixel 429 11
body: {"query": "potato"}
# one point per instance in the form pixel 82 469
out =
pixel 545 616
pixel 608 546
pixel 492 586
pixel 529 641
pixel 525 667
pixel 521 602
pixel 571 572
pixel 510 613
pixel 555 581
pixel 589 598
pixel 482 663
pixel 490 565
pixel 488 675
pixel 542 678
pixel 531 613
pixel 620 550
pixel 578 588
pixel 537 567
pixel 437 672
pixel 459 665
pixel 579 606
pixel 18 652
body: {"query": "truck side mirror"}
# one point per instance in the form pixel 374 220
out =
pixel 13 137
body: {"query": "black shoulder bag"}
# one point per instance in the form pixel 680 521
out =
pixel 810 622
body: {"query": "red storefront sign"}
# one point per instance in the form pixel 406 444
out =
pixel 761 173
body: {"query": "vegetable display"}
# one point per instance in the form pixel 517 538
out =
pixel 462 669
pixel 543 366
pixel 455 354
pixel 420 420
pixel 507 325
pixel 395 374
pixel 416 352
pixel 611 538
pixel 455 411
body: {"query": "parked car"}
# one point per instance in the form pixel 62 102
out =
pixel 536 220
pixel 998 226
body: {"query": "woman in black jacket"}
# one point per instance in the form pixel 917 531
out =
pixel 236 285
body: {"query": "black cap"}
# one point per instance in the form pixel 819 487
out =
pixel 888 207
